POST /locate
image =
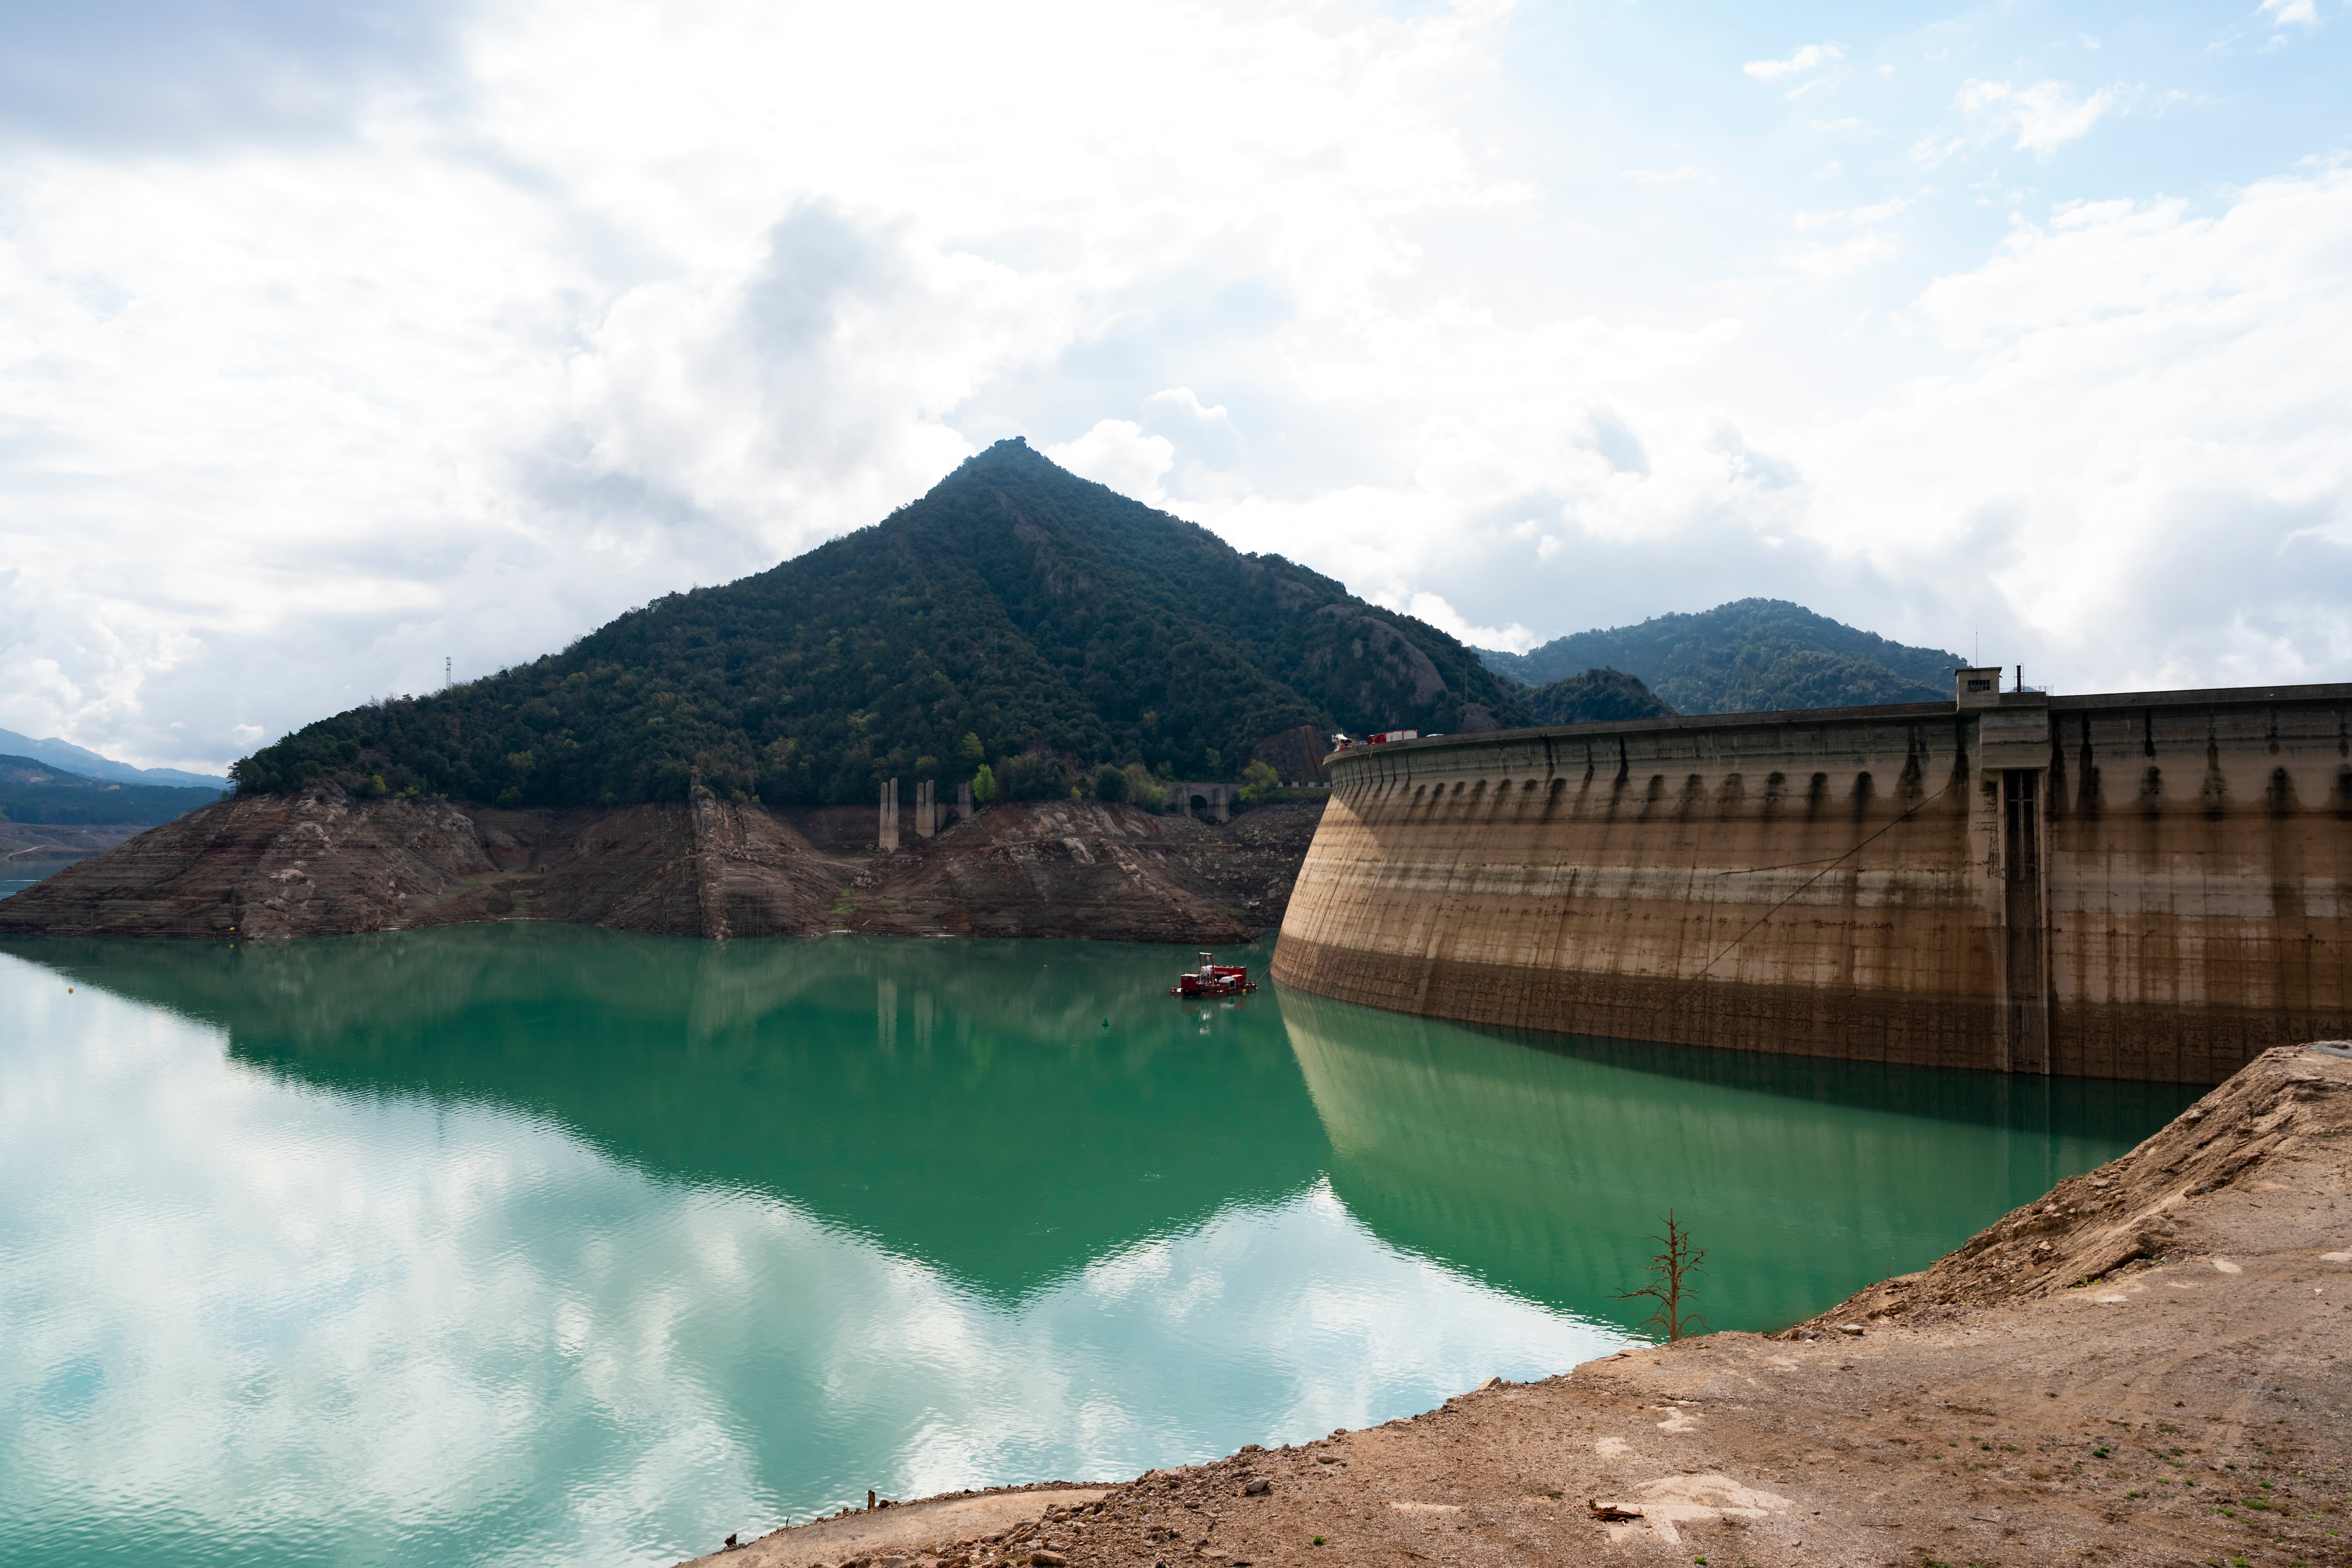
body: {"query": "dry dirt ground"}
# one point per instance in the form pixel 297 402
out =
pixel 2150 1365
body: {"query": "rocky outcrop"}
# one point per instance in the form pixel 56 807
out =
pixel 261 867
pixel 323 864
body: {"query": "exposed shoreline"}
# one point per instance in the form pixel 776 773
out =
pixel 265 868
pixel 2150 1365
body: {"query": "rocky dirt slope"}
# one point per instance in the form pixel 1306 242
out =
pixel 1082 869
pixel 2148 1367
pixel 328 865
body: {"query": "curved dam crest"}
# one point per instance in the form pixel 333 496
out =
pixel 2140 885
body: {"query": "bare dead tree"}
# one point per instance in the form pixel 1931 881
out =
pixel 1669 1287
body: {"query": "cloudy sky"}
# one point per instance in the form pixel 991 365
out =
pixel 339 338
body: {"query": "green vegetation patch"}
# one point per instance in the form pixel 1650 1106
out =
pixel 1752 656
pixel 1596 697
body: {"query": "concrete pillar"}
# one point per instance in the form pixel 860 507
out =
pixel 963 801
pixel 888 834
pixel 1219 810
pixel 2008 826
pixel 925 822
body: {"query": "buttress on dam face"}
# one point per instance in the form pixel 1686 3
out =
pixel 2150 885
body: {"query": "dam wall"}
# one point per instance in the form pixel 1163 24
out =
pixel 2148 884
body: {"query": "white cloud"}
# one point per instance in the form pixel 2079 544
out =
pixel 2045 116
pixel 2285 13
pixel 1433 608
pixel 2138 457
pixel 1844 258
pixel 624 305
pixel 1931 151
pixel 1861 217
pixel 1116 453
pixel 614 304
pixel 2127 466
pixel 1183 404
pixel 1810 57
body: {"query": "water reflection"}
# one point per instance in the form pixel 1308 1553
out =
pixel 1006 1110
pixel 512 1245
pixel 1541 1164
pixel 526 1243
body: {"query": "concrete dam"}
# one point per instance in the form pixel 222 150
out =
pixel 2148 884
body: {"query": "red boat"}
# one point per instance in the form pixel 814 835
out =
pixel 1213 979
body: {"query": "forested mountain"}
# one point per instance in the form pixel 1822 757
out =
pixel 85 763
pixel 1016 616
pixel 1598 696
pixel 34 791
pixel 1751 655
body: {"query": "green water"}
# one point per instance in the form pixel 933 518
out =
pixel 530 1244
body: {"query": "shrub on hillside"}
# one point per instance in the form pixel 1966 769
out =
pixel 1143 789
pixel 1259 783
pixel 1033 776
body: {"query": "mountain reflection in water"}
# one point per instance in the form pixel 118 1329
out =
pixel 526 1243
pixel 956 1101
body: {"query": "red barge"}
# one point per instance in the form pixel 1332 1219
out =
pixel 1213 979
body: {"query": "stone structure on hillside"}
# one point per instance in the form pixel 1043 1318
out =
pixel 887 833
pixel 2152 885
pixel 1205 802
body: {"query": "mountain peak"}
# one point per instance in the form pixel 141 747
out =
pixel 1015 616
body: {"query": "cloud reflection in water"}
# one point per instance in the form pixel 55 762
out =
pixel 259 1314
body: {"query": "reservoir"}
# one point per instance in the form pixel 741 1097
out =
pixel 526 1243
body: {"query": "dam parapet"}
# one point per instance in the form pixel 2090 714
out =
pixel 2146 885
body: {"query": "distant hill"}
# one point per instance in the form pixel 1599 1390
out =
pixel 1751 655
pixel 1598 696
pixel 90 765
pixel 33 791
pixel 1017 616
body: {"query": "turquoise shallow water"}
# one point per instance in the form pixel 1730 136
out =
pixel 532 1244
